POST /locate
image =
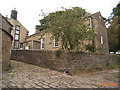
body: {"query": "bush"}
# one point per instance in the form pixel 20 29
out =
pixel 90 48
pixel 58 52
pixel 113 66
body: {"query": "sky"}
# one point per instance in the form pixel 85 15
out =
pixel 29 11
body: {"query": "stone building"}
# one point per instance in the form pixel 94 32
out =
pixel 19 32
pixel 96 24
pixel 5 42
pixel 40 41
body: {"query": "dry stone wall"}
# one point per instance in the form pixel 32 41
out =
pixel 65 61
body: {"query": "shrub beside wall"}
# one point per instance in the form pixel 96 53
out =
pixel 66 61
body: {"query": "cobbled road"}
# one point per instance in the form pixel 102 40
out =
pixel 22 75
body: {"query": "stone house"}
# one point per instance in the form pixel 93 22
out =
pixel 98 26
pixel 5 42
pixel 95 22
pixel 19 32
pixel 40 41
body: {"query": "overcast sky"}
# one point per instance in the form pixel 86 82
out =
pixel 29 10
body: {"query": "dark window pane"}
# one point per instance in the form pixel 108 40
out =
pixel 21 45
pixel 16 44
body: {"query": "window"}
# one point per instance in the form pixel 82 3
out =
pixel 42 43
pixel 17 32
pixel 21 45
pixel 17 37
pixel 16 44
pixel 101 39
pixel 17 27
pixel 55 43
pixel 91 22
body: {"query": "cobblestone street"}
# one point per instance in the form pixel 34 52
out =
pixel 23 75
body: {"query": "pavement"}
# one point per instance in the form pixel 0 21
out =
pixel 22 75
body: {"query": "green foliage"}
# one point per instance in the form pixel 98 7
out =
pixel 69 27
pixel 113 66
pixel 114 29
pixel 114 34
pixel 90 48
pixel 116 10
pixel 58 52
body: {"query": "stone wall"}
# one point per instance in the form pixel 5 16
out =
pixel 64 61
pixel 5 43
pixel 5 25
pixel 6 49
pixel 100 30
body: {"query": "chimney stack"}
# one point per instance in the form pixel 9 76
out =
pixel 14 14
pixel 37 27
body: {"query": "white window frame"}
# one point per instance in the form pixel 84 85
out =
pixel 101 39
pixel 54 43
pixel 42 43
pixel 91 24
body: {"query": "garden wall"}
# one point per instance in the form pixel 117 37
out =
pixel 65 61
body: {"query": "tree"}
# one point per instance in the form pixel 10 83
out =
pixel 114 29
pixel 116 10
pixel 68 27
pixel 114 35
